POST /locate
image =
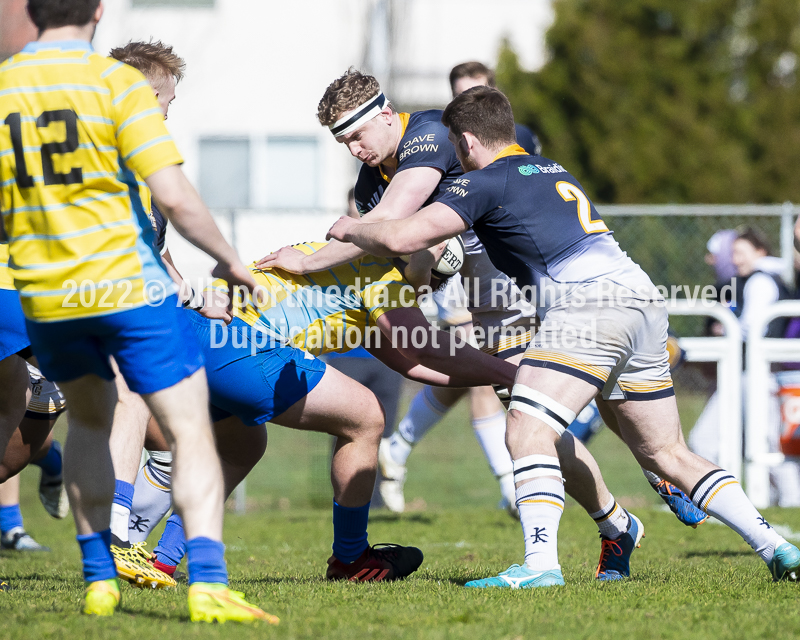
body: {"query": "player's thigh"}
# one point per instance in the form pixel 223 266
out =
pixel 154 439
pixel 238 444
pixel 337 405
pixel 182 409
pixel 648 426
pixel 91 401
pixel 24 445
pixel 565 389
pixel 14 380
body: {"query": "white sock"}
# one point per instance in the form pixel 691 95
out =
pixel 540 502
pixel 491 434
pixel 720 495
pixel 119 521
pixel 612 520
pixel 399 449
pixel 423 412
pixel 151 500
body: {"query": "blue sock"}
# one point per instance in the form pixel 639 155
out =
pixel 10 518
pixel 97 561
pixel 349 532
pixel 206 560
pixel 51 463
pixel 172 546
pixel 123 494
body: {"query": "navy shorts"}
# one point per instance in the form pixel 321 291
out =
pixel 254 383
pixel 154 347
pixel 13 336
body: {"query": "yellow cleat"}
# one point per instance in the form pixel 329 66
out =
pixel 216 603
pixel 133 565
pixel 102 598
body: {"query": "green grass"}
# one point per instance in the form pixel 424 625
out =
pixel 686 583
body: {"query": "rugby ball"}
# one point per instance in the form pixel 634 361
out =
pixel 452 259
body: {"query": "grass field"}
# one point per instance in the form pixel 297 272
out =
pixel 686 583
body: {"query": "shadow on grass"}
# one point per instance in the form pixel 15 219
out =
pixel 717 553
pixel 395 517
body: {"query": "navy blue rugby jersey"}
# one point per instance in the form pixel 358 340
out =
pixel 159 223
pixel 424 144
pixel 539 227
pixel 528 140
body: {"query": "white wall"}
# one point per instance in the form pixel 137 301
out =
pixel 257 68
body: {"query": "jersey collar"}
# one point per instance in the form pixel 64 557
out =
pixel 511 150
pixel 404 122
pixel 64 45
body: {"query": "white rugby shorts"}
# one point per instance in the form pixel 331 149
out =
pixel 601 334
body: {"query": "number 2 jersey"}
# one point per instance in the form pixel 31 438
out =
pixel 74 127
pixel 538 226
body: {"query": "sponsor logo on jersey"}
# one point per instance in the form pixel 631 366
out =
pixel 530 169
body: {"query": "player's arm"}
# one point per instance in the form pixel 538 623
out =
pixel 797 235
pixel 406 193
pixel 429 226
pixel 417 372
pixel 181 204
pixel 440 352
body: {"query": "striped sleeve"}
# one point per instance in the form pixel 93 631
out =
pixel 142 137
pixel 383 287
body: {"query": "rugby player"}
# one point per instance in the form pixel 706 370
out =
pixel 540 227
pixel 360 117
pixel 164 69
pixel 431 404
pixel 263 368
pixel 488 418
pixel 76 127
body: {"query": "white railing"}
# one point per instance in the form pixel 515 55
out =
pixel 761 353
pixel 726 351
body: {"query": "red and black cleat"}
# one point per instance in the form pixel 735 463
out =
pixel 389 562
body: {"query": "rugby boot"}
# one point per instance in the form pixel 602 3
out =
pixel 785 563
pixel 20 540
pixel 102 597
pixel 134 566
pixel 615 555
pixel 389 562
pixel 52 492
pixel 520 577
pixel 680 504
pixel 212 602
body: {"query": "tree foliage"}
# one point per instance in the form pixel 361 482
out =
pixel 659 101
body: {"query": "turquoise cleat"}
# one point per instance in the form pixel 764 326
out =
pixel 615 555
pixel 785 563
pixel 517 577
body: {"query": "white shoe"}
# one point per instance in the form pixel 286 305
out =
pixel 509 493
pixel 393 478
pixel 53 493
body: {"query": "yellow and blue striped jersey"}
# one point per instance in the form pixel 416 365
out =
pixel 75 130
pixel 328 311
pixel 6 279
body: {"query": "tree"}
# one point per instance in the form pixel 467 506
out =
pixel 659 101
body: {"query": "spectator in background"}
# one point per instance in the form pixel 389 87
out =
pixel 756 284
pixel 473 74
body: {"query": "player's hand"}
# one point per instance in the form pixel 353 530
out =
pixel 216 306
pixel 341 228
pixel 236 275
pixel 418 269
pixel 286 258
